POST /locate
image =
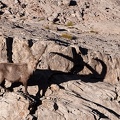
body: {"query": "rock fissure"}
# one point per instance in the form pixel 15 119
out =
pixel 78 74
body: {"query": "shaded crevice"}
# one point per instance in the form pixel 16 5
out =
pixel 55 20
pixel 72 3
pixel 87 4
pixel 33 104
pixel 1 12
pixel 9 42
pixel 30 43
pixel 82 13
pixel 3 5
pixel 55 106
pixel 59 42
pixel 118 78
pixel 19 2
pixel 98 113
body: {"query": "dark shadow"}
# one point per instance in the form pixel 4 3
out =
pixel 33 104
pixel 98 113
pixel 44 78
pixel 3 5
pixel 55 20
pixel 95 76
pixel 30 43
pixel 61 29
pixel 1 12
pixel 17 26
pixel 13 85
pixel 59 42
pixel 74 37
pixel 84 51
pixel 79 65
pixel 82 13
pixel 40 78
pixel 77 61
pixel 55 106
pixel 9 42
pixel 72 3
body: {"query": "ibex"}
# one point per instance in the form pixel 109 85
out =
pixel 19 72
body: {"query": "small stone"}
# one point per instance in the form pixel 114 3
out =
pixel 48 92
pixel 54 87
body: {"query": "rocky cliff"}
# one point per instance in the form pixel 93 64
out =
pixel 77 77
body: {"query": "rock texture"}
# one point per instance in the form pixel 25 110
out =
pixel 13 106
pixel 78 75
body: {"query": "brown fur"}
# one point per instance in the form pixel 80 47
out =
pixel 17 72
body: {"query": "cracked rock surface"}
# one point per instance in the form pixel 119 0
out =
pixel 78 74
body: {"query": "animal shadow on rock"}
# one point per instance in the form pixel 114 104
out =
pixel 79 65
pixel 44 78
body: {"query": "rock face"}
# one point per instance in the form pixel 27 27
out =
pixel 3 53
pixel 69 104
pixel 78 74
pixel 13 106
